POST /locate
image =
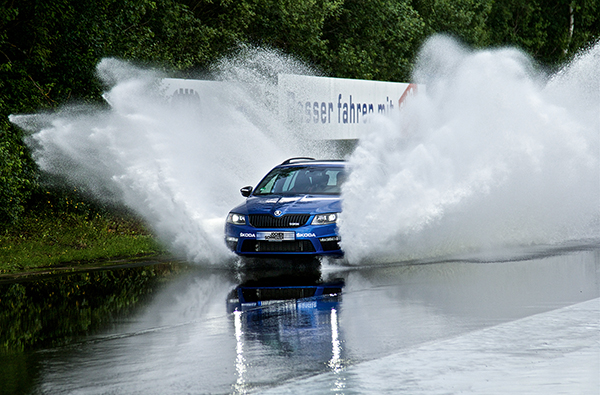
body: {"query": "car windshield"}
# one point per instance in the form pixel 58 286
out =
pixel 302 180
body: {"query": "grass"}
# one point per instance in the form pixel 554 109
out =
pixel 66 231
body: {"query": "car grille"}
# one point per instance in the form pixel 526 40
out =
pixel 285 221
pixel 330 245
pixel 280 246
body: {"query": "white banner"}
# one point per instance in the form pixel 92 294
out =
pixel 337 108
pixel 321 108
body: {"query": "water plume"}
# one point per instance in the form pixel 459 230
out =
pixel 493 153
pixel 178 167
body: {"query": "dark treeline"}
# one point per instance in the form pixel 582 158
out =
pixel 49 48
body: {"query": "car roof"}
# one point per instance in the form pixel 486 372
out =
pixel 304 161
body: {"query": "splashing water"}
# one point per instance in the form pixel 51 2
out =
pixel 180 169
pixel 493 154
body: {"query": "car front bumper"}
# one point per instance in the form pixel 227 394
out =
pixel 247 240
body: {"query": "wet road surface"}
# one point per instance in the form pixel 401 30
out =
pixel 196 336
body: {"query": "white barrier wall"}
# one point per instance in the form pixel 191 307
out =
pixel 337 108
pixel 321 108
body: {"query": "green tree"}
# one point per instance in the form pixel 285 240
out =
pixel 292 26
pixel 163 33
pixel 373 39
pixel 17 175
pixel 584 24
pixel 49 49
pixel 464 19
pixel 551 31
pixel 48 54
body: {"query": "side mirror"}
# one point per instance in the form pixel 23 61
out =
pixel 246 191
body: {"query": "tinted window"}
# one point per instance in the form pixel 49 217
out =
pixel 302 180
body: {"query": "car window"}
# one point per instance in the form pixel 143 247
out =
pixel 302 180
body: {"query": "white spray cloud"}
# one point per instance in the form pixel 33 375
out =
pixel 491 155
pixel 177 167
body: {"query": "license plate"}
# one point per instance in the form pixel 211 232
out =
pixel 275 236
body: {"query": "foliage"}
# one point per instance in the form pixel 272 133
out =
pixel 374 39
pixel 49 49
pixel 293 26
pixel 165 33
pixel 65 228
pixel 17 174
pixel 550 31
pixel 464 19
pixel 48 54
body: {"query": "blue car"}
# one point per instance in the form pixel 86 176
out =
pixel 293 211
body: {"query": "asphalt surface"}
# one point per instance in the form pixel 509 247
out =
pixel 501 325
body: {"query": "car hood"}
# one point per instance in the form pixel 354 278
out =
pixel 295 204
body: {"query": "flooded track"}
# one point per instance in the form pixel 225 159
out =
pixel 460 326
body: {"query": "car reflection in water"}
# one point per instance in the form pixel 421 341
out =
pixel 288 314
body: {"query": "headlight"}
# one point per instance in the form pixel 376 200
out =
pixel 236 219
pixel 325 219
